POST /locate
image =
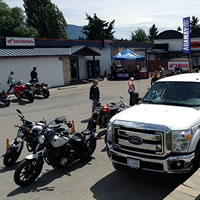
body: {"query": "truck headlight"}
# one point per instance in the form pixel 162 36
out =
pixel 181 140
pixel 109 132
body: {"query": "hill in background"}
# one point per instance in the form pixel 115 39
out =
pixel 74 32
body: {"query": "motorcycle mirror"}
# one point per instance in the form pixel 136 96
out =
pixel 45 120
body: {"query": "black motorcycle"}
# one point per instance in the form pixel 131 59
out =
pixel 57 149
pixel 4 97
pixel 40 89
pixel 27 132
pixel 103 113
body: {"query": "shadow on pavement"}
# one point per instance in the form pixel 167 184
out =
pixel 132 184
pixel 47 177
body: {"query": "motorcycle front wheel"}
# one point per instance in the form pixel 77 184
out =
pixel 45 93
pixel 11 157
pixel 27 171
pixel 7 102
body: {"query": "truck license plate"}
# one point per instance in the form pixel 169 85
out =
pixel 133 163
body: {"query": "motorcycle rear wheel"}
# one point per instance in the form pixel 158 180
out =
pixel 27 171
pixel 91 146
pixel 31 98
pixel 11 157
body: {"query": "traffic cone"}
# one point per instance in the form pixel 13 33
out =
pixel 7 144
pixel 73 127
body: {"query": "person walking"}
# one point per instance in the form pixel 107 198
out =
pixel 10 81
pixel 34 75
pixel 131 90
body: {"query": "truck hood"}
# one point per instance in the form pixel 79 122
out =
pixel 174 117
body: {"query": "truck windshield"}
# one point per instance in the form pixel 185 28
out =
pixel 174 93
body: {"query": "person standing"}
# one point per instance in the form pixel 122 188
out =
pixel 34 75
pixel 131 90
pixel 94 91
pixel 10 81
pixel 162 71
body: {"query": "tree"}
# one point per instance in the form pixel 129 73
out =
pixel 194 23
pixel 139 35
pixel 46 18
pixel 12 22
pixel 98 29
pixel 179 29
pixel 153 32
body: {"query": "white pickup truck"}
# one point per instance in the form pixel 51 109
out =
pixel 162 133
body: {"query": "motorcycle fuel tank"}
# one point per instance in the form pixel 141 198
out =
pixel 58 141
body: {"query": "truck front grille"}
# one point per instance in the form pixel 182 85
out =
pixel 139 141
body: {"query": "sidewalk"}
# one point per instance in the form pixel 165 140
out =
pixel 189 190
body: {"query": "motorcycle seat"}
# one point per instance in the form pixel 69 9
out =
pixel 59 120
pixel 86 132
pixel 78 137
pixel 113 106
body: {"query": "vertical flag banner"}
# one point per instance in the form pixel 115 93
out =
pixel 186 35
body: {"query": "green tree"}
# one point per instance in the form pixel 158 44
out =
pixel 194 23
pixel 139 35
pixel 153 32
pixel 98 29
pixel 12 22
pixel 179 29
pixel 46 18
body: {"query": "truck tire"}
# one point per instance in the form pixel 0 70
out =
pixel 196 161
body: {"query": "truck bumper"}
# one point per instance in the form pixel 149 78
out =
pixel 171 164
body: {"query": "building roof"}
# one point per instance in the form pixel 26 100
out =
pixel 169 34
pixel 85 51
pixel 33 52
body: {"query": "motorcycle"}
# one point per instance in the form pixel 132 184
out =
pixel 58 149
pixel 4 97
pixel 103 113
pixel 23 90
pixel 27 132
pixel 40 89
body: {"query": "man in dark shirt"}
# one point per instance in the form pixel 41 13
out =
pixel 34 76
pixel 94 91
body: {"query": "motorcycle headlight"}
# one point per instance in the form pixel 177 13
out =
pixel 41 139
pixel 109 132
pixel 20 134
pixel 181 140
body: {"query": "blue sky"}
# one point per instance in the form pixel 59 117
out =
pixel 129 15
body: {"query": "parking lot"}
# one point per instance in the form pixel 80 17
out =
pixel 94 179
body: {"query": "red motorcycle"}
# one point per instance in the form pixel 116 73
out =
pixel 23 91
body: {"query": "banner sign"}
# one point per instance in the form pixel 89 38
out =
pixel 18 41
pixel 186 35
pixel 174 65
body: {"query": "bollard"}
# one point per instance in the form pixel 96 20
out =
pixel 7 144
pixel 73 127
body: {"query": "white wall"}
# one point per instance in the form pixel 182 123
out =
pixel 173 44
pixel 50 69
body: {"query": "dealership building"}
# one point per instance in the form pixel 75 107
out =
pixel 61 62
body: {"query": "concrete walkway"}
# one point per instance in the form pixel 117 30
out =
pixel 189 190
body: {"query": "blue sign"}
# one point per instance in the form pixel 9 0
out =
pixel 186 35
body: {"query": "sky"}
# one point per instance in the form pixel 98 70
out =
pixel 129 15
